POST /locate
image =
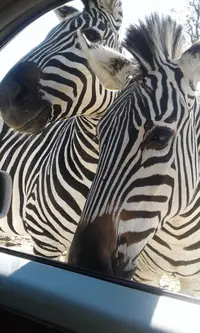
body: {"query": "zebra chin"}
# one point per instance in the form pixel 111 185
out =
pixel 21 104
pixel 95 248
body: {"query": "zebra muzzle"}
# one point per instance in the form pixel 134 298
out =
pixel 21 104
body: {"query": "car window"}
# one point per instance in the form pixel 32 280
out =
pixel 53 171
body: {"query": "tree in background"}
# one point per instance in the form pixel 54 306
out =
pixel 190 19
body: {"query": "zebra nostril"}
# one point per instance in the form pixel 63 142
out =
pixel 21 94
pixel 25 75
pixel 8 93
pixel 20 82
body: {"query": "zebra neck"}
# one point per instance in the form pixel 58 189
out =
pixel 197 121
pixel 192 212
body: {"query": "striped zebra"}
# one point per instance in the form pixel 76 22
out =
pixel 53 170
pixel 53 81
pixel 52 173
pixel 142 214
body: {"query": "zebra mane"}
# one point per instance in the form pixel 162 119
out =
pixel 155 38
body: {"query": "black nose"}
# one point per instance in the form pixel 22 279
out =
pixel 85 253
pixel 20 99
pixel 25 73
pixel 119 267
pixel 21 80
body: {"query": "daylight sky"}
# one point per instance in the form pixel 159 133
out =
pixel 36 32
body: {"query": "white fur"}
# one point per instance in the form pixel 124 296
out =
pixel 189 63
pixel 101 59
pixel 67 16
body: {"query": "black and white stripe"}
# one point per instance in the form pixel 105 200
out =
pixel 142 213
pixel 53 171
pixel 66 81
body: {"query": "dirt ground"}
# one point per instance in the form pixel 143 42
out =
pixel 18 243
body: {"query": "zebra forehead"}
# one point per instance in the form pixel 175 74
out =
pixel 90 17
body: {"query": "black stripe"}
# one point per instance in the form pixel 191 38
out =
pixel 126 215
pixel 147 198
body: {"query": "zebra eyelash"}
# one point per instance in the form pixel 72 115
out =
pixel 158 138
pixel 92 35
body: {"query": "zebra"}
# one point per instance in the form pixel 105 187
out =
pixel 53 81
pixel 52 173
pixel 52 170
pixel 142 214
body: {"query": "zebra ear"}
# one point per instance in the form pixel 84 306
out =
pixel 110 4
pixel 65 12
pixel 111 67
pixel 189 63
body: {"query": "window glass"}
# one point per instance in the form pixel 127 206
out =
pixel 168 254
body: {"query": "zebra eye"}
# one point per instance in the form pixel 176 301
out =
pixel 92 35
pixel 158 139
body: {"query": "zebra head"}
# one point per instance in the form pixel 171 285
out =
pixel 148 169
pixel 54 80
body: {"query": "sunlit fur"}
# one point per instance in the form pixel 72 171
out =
pixel 146 189
pixel 52 172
